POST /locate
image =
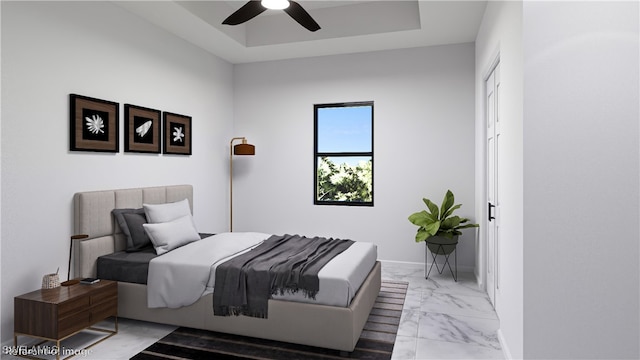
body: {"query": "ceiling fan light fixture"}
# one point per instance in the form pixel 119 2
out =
pixel 275 4
pixel 254 8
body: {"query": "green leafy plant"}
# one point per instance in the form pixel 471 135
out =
pixel 439 221
pixel 344 182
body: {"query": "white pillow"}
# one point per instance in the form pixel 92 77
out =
pixel 159 213
pixel 173 234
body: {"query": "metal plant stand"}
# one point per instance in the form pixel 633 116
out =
pixel 440 250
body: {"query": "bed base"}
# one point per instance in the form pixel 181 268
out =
pixel 324 326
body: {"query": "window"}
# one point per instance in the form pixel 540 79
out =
pixel 343 154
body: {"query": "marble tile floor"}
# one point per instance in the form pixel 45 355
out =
pixel 442 319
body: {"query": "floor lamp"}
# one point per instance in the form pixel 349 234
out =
pixel 239 149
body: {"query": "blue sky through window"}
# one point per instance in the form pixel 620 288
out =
pixel 344 129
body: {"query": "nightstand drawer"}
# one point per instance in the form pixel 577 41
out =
pixel 108 307
pixel 103 294
pixel 73 306
pixel 70 324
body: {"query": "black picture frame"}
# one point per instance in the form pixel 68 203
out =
pixel 177 134
pixel 142 129
pixel 94 124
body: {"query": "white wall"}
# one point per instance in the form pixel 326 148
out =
pixel 500 35
pixel 52 49
pixel 581 171
pixel 0 173
pixel 423 143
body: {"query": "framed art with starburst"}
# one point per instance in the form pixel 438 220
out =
pixel 141 129
pixel 94 124
pixel 177 134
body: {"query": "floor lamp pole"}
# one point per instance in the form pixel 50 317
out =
pixel 240 149
pixel 231 183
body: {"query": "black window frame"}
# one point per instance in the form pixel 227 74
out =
pixel 317 155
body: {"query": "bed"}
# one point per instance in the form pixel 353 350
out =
pixel 307 323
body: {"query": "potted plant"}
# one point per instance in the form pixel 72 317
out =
pixel 439 225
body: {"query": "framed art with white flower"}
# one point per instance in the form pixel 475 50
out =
pixel 141 129
pixel 177 134
pixel 94 124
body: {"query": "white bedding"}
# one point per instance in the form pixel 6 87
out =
pixel 180 277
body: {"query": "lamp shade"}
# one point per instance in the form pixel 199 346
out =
pixel 244 149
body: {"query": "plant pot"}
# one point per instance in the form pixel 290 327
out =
pixel 440 245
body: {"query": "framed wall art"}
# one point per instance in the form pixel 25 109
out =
pixel 177 134
pixel 141 129
pixel 93 124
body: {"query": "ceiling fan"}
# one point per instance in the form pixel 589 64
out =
pixel 256 7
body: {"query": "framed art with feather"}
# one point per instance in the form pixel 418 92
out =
pixel 141 129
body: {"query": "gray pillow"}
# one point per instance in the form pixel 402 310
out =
pixel 130 222
pixel 139 237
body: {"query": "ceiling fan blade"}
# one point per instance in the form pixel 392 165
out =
pixel 301 16
pixel 247 12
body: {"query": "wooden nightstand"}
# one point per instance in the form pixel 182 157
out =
pixel 59 313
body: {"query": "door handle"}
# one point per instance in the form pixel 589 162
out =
pixel 491 206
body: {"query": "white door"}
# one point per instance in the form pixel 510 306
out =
pixel 493 200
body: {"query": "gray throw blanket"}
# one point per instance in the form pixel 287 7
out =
pixel 281 264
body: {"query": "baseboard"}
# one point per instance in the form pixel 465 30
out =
pixel 402 262
pixel 464 269
pixel 503 344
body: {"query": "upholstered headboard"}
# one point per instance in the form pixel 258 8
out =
pixel 92 216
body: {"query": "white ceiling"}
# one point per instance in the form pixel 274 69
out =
pixel 346 26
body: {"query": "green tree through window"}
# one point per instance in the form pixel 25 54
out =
pixel 344 154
